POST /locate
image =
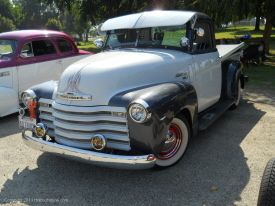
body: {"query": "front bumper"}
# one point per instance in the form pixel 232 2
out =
pixel 90 157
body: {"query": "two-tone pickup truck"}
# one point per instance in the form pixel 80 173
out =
pixel 159 79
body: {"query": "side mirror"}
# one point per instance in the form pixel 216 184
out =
pixel 98 43
pixel 200 31
pixel 23 55
pixel 184 42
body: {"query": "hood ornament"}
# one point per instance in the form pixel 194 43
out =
pixel 71 92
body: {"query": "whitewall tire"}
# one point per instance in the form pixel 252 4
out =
pixel 176 142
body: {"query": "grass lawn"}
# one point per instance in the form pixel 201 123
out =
pixel 88 46
pixel 231 32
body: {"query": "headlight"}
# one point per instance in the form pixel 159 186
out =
pixel 27 95
pixel 139 111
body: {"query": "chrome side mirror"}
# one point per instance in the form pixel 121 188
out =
pixel 184 42
pixel 23 55
pixel 200 31
pixel 98 43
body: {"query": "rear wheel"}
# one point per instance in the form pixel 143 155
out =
pixel 238 97
pixel 267 189
pixel 176 142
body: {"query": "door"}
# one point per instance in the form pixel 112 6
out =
pixel 207 66
pixel 39 62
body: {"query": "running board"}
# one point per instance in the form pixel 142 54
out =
pixel 211 115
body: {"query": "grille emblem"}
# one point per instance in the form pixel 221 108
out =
pixel 72 92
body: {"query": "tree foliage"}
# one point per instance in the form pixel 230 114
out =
pixel 6 9
pixel 54 24
pixel 6 24
pixel 36 13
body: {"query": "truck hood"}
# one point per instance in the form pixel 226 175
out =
pixel 96 79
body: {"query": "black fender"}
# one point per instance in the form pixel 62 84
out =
pixel 232 71
pixel 44 90
pixel 165 101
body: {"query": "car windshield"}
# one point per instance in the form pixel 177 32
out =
pixel 7 47
pixel 161 37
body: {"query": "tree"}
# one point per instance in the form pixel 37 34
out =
pixel 36 13
pixel 257 10
pixel 6 9
pixel 6 24
pixel 54 24
pixel 269 7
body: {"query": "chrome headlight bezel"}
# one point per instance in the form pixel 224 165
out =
pixel 27 95
pixel 144 111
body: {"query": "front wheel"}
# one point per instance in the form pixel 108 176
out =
pixel 176 142
pixel 267 188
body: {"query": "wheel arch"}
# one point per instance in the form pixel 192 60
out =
pixel 232 71
pixel 187 114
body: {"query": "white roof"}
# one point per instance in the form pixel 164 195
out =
pixel 148 19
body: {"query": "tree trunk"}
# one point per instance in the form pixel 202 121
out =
pixel 257 24
pixel 87 36
pixel 267 33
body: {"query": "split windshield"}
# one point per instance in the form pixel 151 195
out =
pixel 166 37
pixel 7 47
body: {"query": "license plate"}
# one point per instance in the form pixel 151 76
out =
pixel 27 123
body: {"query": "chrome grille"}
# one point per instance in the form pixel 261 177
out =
pixel 74 126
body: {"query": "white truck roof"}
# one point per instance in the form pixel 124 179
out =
pixel 148 19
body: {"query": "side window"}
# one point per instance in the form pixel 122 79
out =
pixel 27 50
pixel 38 48
pixel 43 47
pixel 202 40
pixel 64 46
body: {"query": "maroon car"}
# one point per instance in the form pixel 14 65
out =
pixel 30 57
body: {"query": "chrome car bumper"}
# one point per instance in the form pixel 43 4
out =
pixel 90 157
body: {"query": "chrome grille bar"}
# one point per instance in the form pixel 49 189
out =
pixel 75 125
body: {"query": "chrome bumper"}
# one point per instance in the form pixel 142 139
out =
pixel 90 157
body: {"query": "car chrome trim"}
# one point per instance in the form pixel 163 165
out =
pixel 90 157
pixel 73 96
pixel 146 107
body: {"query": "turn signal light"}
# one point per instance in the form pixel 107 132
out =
pixel 31 105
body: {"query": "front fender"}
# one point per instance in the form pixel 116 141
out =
pixel 9 102
pixel 45 90
pixel 165 102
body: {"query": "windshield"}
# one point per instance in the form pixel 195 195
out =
pixel 161 37
pixel 7 47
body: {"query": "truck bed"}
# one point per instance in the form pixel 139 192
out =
pixel 229 51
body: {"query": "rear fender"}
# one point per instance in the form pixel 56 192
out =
pixel 232 71
pixel 9 102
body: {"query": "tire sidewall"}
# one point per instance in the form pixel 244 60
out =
pixel 182 122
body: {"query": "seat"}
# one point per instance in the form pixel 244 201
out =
pixel 199 46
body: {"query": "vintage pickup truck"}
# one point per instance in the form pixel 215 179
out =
pixel 30 57
pixel 159 79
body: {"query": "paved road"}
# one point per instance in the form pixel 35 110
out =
pixel 223 166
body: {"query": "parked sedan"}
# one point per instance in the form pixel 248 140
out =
pixel 29 57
